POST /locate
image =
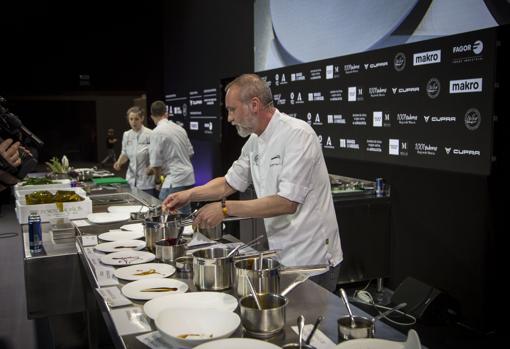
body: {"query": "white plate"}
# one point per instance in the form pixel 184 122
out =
pixel 106 217
pixel 121 245
pixel 127 258
pixel 128 209
pixel 192 300
pixel 129 273
pixel 207 324
pixel 133 227
pixel 237 343
pixel 370 343
pixel 116 235
pixel 134 289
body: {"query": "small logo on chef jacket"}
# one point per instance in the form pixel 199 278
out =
pixel 472 119
pixel 399 62
pixel 276 160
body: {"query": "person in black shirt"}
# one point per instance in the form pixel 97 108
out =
pixel 110 146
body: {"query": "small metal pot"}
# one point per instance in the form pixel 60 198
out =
pixel 270 320
pixel 266 322
pixel 168 250
pixel 267 279
pixel 212 269
pixel 296 346
pixel 214 233
pixel 363 327
pixel 184 264
pixel 156 230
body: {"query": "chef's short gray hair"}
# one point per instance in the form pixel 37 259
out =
pixel 136 110
pixel 251 85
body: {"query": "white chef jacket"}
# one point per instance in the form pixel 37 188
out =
pixel 171 150
pixel 286 159
pixel 135 145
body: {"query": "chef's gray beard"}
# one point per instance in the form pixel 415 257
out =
pixel 243 132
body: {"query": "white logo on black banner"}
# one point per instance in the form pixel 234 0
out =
pixel 433 88
pixel 185 109
pixel 472 119
pixel 399 62
pixel 193 125
pixel 429 57
pixel 466 85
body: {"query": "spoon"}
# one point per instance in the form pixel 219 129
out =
pixel 346 302
pixel 254 294
pixel 301 325
pixel 315 326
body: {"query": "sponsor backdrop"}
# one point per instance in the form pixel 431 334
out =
pixel 427 104
pixel 197 111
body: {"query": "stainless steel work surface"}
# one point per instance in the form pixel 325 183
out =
pixel 308 299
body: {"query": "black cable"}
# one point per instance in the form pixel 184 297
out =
pixel 8 235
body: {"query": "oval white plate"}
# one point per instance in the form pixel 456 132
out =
pixel 128 209
pixel 121 245
pixel 134 289
pixel 370 343
pixel 127 258
pixel 208 324
pixel 106 217
pixel 129 273
pixel 237 343
pixel 116 235
pixel 133 227
pixel 192 300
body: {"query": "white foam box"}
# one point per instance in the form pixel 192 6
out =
pixel 21 190
pixel 74 210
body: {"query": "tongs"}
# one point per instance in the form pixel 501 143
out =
pixel 248 244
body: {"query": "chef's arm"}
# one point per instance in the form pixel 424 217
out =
pixel 120 161
pixel 268 206
pixel 154 171
pixel 215 189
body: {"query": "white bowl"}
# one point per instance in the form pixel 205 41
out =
pixel 200 325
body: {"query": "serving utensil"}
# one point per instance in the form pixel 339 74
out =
pixel 254 294
pixel 346 302
pixel 315 326
pixel 301 325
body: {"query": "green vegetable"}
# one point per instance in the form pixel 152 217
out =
pixel 37 181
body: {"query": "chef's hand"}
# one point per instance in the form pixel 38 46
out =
pixel 176 200
pixel 209 216
pixel 116 166
pixel 10 152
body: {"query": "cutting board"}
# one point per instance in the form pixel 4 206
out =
pixel 109 180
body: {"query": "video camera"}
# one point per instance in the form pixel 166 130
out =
pixel 12 127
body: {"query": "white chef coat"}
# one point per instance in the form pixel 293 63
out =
pixel 286 159
pixel 135 145
pixel 171 150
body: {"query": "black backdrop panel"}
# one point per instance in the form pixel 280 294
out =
pixel 427 104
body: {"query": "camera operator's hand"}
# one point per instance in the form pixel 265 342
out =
pixel 10 152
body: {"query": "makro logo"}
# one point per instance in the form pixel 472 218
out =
pixel 466 85
pixel 472 119
pixel 476 48
pixel 433 88
pixel 399 62
pixel 429 57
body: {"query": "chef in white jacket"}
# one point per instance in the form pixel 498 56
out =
pixel 283 160
pixel 135 150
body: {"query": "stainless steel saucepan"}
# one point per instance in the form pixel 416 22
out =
pixel 267 278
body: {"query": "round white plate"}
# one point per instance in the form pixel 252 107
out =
pixel 107 217
pixel 127 258
pixel 133 227
pixel 116 235
pixel 205 325
pixel 128 209
pixel 237 343
pixel 160 270
pixel 134 290
pixel 121 245
pixel 370 343
pixel 192 300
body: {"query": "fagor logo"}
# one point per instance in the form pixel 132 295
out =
pixel 466 85
pixel 429 57
pixel 476 48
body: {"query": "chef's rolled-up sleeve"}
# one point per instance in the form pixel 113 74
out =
pixel 301 155
pixel 239 174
